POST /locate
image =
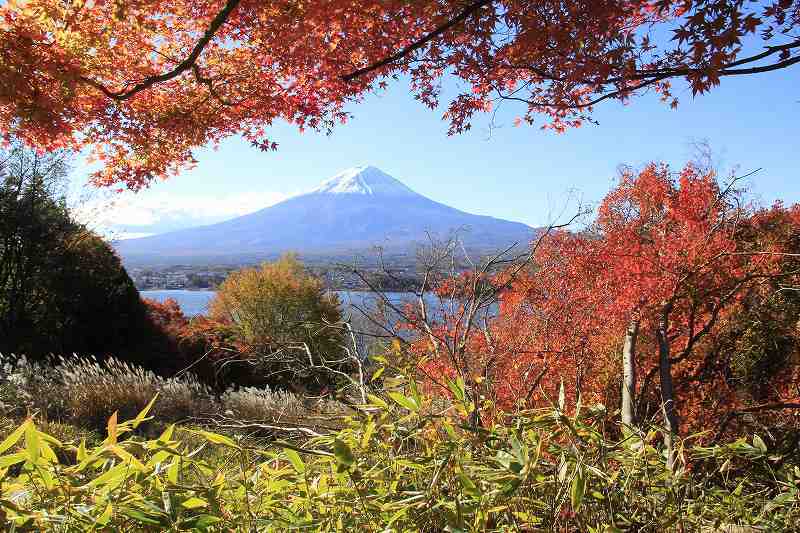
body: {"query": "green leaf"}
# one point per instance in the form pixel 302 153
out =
pixel 415 392
pixel 469 486
pixel 343 453
pixel 215 438
pixel 759 443
pixel 578 489
pixel 173 470
pixel 404 401
pixel 457 388
pixel 14 437
pixel 14 458
pixel 378 373
pixel 376 400
pixel 203 521
pixel 194 503
pixel 142 416
pixel 167 434
pixel 295 459
pixel 81 454
pixel 141 516
pixel 112 477
pixel 105 516
pixel 32 443
pixel 369 430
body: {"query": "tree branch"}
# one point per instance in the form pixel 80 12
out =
pixel 182 67
pixel 400 54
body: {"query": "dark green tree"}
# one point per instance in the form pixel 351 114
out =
pixel 62 288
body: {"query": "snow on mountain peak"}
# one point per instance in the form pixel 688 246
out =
pixel 367 180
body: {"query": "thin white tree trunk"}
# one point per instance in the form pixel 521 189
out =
pixel 667 392
pixel 629 374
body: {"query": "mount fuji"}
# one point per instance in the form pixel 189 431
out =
pixel 351 212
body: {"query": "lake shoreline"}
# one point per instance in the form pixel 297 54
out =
pixel 194 302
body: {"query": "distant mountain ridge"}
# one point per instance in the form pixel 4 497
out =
pixel 351 212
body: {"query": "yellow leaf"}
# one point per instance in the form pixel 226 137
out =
pixel 32 443
pixel 215 438
pixel 14 458
pixel 194 503
pixel 14 437
pixel 106 515
pixel 81 454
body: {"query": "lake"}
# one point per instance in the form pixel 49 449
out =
pixel 195 303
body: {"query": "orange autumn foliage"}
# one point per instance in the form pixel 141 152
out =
pixel 669 244
pixel 144 83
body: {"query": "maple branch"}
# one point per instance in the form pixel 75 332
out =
pixel 183 66
pixel 649 77
pixel 403 52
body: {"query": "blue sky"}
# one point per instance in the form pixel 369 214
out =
pixel 518 173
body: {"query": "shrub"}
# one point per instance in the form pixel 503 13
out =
pixel 396 468
pixel 279 324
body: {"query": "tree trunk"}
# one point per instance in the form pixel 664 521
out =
pixel 667 393
pixel 629 374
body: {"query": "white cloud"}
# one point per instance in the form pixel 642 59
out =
pixel 125 215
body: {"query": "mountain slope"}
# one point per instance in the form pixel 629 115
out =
pixel 355 210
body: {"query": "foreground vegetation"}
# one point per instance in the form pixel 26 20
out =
pixel 400 463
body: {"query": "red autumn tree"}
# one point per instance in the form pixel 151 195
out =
pixel 145 82
pixel 669 263
pixel 673 274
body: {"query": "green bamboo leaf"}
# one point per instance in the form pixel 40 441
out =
pixel 194 503
pixel 296 460
pixel 469 486
pixel 378 373
pixel 112 477
pixel 376 400
pixel 142 416
pixel 343 453
pixel 14 458
pixel 369 430
pixel 105 516
pixel 414 391
pixel 578 489
pixel 215 438
pixel 81 453
pixel 203 522
pixel 32 443
pixel 141 516
pixel 457 388
pixel 14 437
pixel 166 436
pixel 404 401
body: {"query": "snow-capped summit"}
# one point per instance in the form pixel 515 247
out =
pixel 348 213
pixel 363 180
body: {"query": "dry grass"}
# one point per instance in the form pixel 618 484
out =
pixel 85 393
